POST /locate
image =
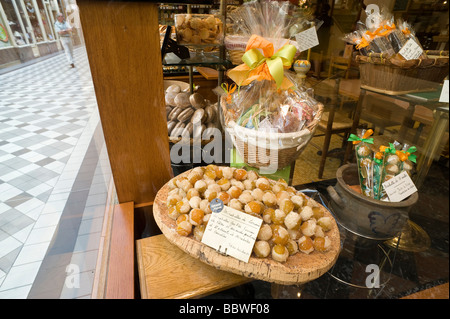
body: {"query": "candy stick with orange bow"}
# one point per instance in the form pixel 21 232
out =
pixel 378 160
pixel 407 158
pixel 364 159
pixel 391 166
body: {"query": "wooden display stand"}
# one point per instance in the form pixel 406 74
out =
pixel 167 272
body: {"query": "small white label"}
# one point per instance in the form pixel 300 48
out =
pixel 444 93
pixel 411 50
pixel 399 187
pixel 307 39
pixel 232 232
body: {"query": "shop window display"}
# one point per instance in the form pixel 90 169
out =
pixel 291 206
pixel 45 20
pixel 32 14
pixel 4 35
pixel 15 23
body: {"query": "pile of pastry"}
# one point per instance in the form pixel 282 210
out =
pixel 198 29
pixel 188 115
pixel 292 222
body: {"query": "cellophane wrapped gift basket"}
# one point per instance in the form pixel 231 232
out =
pixel 391 59
pixel 268 116
pixel 262 18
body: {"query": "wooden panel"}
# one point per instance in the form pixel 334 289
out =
pixel 166 272
pixel 208 73
pixel 120 277
pixel 122 42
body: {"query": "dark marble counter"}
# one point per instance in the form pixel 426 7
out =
pixel 403 269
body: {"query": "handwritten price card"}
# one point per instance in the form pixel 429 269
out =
pixel 307 39
pixel 232 232
pixel 399 187
pixel 411 50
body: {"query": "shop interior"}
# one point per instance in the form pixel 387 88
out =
pixel 139 51
pixel 349 105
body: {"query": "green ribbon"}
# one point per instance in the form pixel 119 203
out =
pixel 284 57
pixel 412 157
pixel 354 137
pixel 391 149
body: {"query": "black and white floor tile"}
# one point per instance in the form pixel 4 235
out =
pixel 48 122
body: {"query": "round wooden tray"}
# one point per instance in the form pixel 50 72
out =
pixel 299 268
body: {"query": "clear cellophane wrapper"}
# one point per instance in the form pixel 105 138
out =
pixel 408 33
pixel 392 166
pixel 269 19
pixel 377 172
pixel 364 160
pixel 407 164
pixel 388 164
pixel 388 41
pixel 261 107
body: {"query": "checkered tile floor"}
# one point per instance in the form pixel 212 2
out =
pixel 46 110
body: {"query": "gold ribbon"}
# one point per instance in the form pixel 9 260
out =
pixel 264 66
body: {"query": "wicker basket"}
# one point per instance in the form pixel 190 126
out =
pixel 395 76
pixel 271 150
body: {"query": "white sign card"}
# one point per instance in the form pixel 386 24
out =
pixel 232 232
pixel 411 50
pixel 399 187
pixel 307 39
pixel 444 93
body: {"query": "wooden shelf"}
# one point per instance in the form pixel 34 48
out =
pixel 166 272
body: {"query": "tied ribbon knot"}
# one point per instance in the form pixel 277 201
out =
pixel 406 32
pixel 356 139
pixel 378 158
pixel 388 149
pixel 229 90
pixel 362 44
pixel 406 155
pixel 268 65
pixel 381 31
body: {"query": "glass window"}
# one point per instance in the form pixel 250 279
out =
pixel 5 38
pixel 31 11
pixel 14 22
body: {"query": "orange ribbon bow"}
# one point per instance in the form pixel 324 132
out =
pixel 402 156
pixel 406 31
pixel 259 67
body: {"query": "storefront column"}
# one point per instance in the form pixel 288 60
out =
pixel 39 18
pixel 22 26
pixel 30 26
pixel 50 20
pixel 123 46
